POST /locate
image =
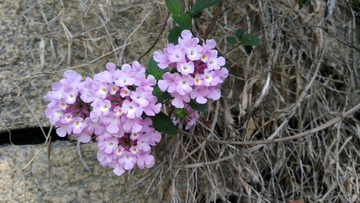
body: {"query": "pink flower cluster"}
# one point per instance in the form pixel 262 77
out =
pixel 109 105
pixel 199 71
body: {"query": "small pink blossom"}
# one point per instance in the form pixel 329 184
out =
pixel 104 158
pixel 128 160
pixel 169 82
pixel 131 109
pixel 179 99
pixel 184 84
pixel 162 58
pixel 176 53
pixel 144 158
pixel 185 68
pixel 77 125
pixel 214 62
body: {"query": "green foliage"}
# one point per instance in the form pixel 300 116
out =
pixel 231 40
pixel 198 107
pixel 174 6
pixel 161 96
pixel 184 21
pixel 239 33
pixel 201 5
pixel 247 40
pixel 248 49
pixel 154 69
pixel 302 3
pixel 250 39
pixel 163 123
pixel 174 35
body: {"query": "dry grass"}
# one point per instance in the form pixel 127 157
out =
pixel 271 137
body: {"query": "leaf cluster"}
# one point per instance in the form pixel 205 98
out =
pixel 184 19
pixel 248 40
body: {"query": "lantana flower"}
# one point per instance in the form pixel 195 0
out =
pixel 112 108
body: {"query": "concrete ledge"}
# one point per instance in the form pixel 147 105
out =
pixel 68 181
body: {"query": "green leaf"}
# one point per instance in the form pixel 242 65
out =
pixel 231 40
pixel 201 5
pixel 250 39
pixel 239 33
pixel 184 21
pixel 157 93
pixel 163 123
pixel 161 96
pixel 154 69
pixel 302 3
pixel 198 107
pixel 248 49
pixel 174 6
pixel 118 67
pixel 174 35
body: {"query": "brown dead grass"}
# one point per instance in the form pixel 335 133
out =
pixel 302 76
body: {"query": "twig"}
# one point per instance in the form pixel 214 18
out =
pixel 148 174
pixel 80 156
pixel 10 136
pixel 157 38
pixel 142 21
pixel 211 26
pixel 276 21
pixel 284 139
pixel 287 12
pixel 49 151
pixel 266 87
pixel 204 163
pixel 47 138
pixel 37 120
pixel 336 37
